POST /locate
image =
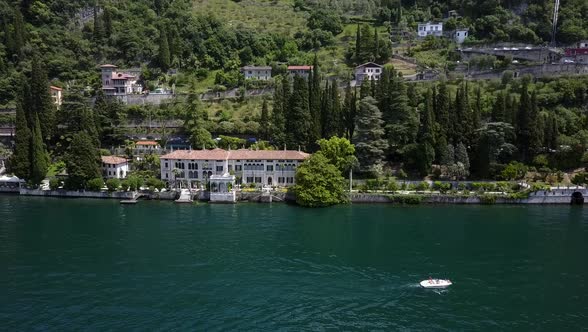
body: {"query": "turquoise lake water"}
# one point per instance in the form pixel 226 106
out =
pixel 69 264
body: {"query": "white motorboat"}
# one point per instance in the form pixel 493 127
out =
pixel 436 283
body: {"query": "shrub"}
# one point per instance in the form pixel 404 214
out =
pixel 95 184
pixel 580 178
pixel 392 185
pixel 406 199
pixel 125 185
pixel 424 185
pixel 487 199
pixel 134 182
pixel 154 183
pixel 441 186
pixel 54 184
pixel 112 184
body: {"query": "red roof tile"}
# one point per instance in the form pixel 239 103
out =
pixel 55 88
pixel 299 67
pixel 112 160
pixel 268 154
pixel 146 143
pixel 220 154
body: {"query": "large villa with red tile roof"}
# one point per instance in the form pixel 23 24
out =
pixel 116 83
pixel 261 167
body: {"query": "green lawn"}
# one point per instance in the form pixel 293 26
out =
pixel 261 15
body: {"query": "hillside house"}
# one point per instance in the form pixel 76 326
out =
pixel 263 73
pixel 303 71
pixel 57 95
pixel 430 29
pixel 460 35
pixel 116 83
pixel 575 55
pixel 114 167
pixel 262 168
pixel 367 71
pixel 146 147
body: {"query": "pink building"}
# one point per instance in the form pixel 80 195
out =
pixel 118 83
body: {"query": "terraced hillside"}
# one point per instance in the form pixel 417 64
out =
pixel 262 15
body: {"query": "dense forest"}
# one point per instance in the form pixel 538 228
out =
pixel 448 129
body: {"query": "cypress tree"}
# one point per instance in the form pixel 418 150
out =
pixel 298 118
pixel 357 45
pixel 19 34
pixel 426 139
pixel 376 54
pixel 39 157
pixel 527 131
pixel 40 101
pixel 107 19
pixel 364 90
pixel 499 108
pixel 163 54
pixel 98 28
pixel 82 161
pixel 314 102
pixel 264 121
pixel 477 114
pixel 442 112
pixel 349 111
pixel 20 161
pixel 551 132
pixel 279 111
pixel 333 116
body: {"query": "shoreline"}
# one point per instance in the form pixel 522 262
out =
pixel 561 196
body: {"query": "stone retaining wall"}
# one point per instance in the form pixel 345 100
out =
pixel 79 194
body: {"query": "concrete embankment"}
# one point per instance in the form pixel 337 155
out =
pixel 555 196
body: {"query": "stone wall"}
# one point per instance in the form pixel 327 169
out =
pixel 80 194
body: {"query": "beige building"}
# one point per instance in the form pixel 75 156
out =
pixel 263 168
pixel 57 95
pixel 114 167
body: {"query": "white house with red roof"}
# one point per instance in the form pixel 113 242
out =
pixel 114 167
pixel 303 71
pixel 261 167
pixel 115 83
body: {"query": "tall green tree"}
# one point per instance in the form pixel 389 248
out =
pixel 370 144
pixel 298 118
pixel 19 35
pixel 340 152
pixel 163 55
pixel 99 32
pixel 402 121
pixel 39 156
pixel 442 111
pixel 527 131
pixel 20 161
pixel 332 109
pixel 349 111
pixel 82 161
pixel 319 183
pixel 426 138
pixel 279 111
pixel 40 101
pixel 107 20
pixel 264 121
pixel 314 102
